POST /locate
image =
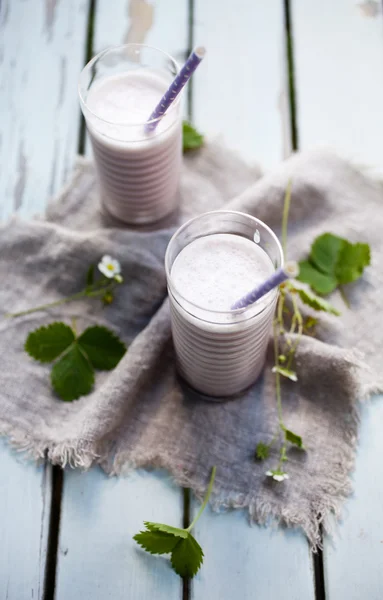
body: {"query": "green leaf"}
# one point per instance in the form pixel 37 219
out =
pixel 187 557
pixel 159 538
pixel 72 376
pixel 333 261
pixel 192 140
pixel 285 373
pixel 293 438
pixel 166 528
pixel 156 542
pixel 47 343
pixel 103 348
pixel 352 260
pixel 325 252
pixel 262 451
pixel 314 301
pixel 186 554
pixel 90 276
pixel 321 283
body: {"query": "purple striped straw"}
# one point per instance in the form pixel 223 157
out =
pixel 290 270
pixel 176 86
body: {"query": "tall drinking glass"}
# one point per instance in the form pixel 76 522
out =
pixel 138 171
pixel 212 261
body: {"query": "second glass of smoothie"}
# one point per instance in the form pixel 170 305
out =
pixel 138 171
pixel 211 262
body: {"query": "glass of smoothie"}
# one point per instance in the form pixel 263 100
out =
pixel 138 169
pixel 211 262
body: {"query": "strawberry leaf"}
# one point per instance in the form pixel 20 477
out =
pixel 156 542
pixel 47 343
pixel 192 140
pixel 166 528
pixel 313 300
pixel 320 282
pixel 103 348
pixel 72 376
pixel 293 438
pixel 352 260
pixel 262 451
pixel 187 557
pixel 325 252
pixel 186 553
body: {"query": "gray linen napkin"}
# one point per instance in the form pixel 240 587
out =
pixel 138 415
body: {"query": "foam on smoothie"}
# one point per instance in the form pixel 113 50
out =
pixel 214 271
pixel 127 99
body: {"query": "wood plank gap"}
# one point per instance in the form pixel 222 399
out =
pixel 189 98
pixel 320 592
pixel 186 583
pixel 88 55
pixel 186 508
pixel 291 75
pixel 53 533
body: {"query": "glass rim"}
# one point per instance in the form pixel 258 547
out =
pixel 103 53
pixel 236 311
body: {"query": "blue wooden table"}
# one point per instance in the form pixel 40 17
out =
pixel 309 73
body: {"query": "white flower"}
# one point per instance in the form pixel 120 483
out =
pixel 277 475
pixel 285 372
pixel 110 267
pixel 280 477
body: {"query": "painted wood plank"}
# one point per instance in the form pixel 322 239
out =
pixel 239 91
pixel 338 55
pixel 338 52
pixel 353 559
pixel 250 562
pixel 97 556
pixel 42 45
pixel 159 23
pixel 24 510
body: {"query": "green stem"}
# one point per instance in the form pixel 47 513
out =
pixel 101 283
pixel 282 456
pixel 293 325
pixel 50 305
pixel 99 292
pixel 278 379
pixel 274 439
pixel 74 326
pixel 299 319
pixel 279 328
pixel 285 216
pixel 89 292
pixel 281 301
pixel 206 500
